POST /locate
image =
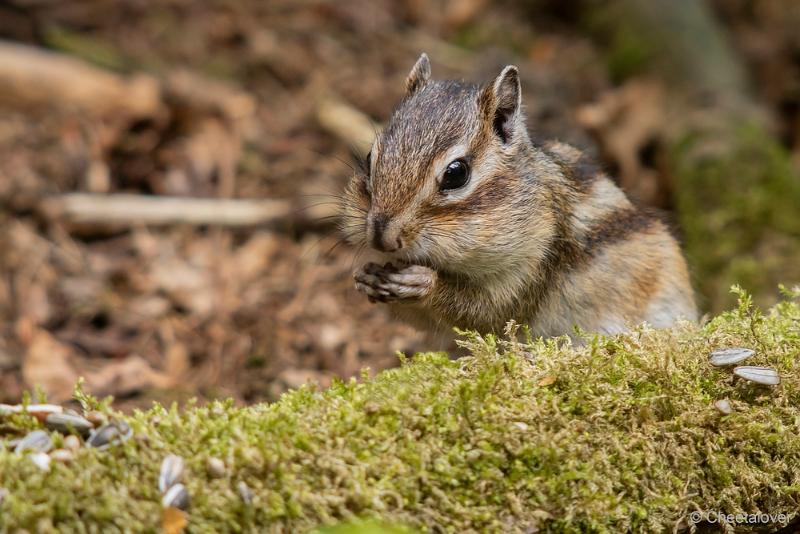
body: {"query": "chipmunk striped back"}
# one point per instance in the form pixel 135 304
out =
pixel 479 226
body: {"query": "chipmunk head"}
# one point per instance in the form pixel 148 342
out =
pixel 441 184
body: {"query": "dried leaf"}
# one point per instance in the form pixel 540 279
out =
pixel 548 380
pixel 173 520
pixel 126 376
pixel 627 122
pixel 46 365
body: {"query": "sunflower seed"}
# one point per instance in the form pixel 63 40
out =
pixel 38 410
pixel 171 472
pixel 732 356
pixel 177 497
pixel 67 423
pixel 110 434
pixel 724 406
pixel 36 441
pixel 760 375
pixel 245 492
pixel 215 467
pixel 41 460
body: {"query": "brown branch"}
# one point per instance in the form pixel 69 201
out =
pixel 33 78
pixel 81 209
pixel 348 124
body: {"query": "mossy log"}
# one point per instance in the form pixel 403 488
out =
pixel 618 435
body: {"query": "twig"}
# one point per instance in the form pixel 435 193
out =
pixel 345 122
pixel 38 79
pixel 127 210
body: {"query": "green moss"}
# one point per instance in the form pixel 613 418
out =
pixel 617 435
pixel 627 57
pixel 737 197
pixel 364 527
pixel 734 185
pixel 627 50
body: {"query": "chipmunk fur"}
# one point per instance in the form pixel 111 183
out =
pixel 536 234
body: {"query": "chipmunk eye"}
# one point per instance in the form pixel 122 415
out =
pixel 455 175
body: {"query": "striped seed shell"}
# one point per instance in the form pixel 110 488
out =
pixel 245 492
pixel 765 376
pixel 110 434
pixel 66 423
pixel 176 497
pixel 732 356
pixel 39 411
pixel 171 472
pixel 36 441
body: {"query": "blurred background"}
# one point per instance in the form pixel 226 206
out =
pixel 169 169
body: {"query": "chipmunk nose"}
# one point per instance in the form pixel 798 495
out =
pixel 385 236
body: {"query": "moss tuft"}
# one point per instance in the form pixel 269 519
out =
pixel 617 435
pixel 737 200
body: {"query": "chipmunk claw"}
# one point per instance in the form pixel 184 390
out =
pixel 389 283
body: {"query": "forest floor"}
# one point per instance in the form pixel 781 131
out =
pixel 248 105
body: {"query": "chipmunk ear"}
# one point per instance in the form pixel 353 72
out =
pixel 501 103
pixel 420 74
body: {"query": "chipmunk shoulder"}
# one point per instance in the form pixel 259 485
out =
pixel 477 225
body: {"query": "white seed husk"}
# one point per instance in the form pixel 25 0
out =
pixel 176 497
pixel 171 472
pixel 34 409
pixel 731 356
pixel 67 423
pixel 245 492
pixel 36 441
pixel 41 460
pixel 765 376
pixel 110 434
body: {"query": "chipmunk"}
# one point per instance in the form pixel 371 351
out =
pixel 479 226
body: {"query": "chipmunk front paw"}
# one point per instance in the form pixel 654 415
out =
pixel 388 283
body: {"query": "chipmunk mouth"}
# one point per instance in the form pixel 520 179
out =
pixel 417 249
pixel 415 255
